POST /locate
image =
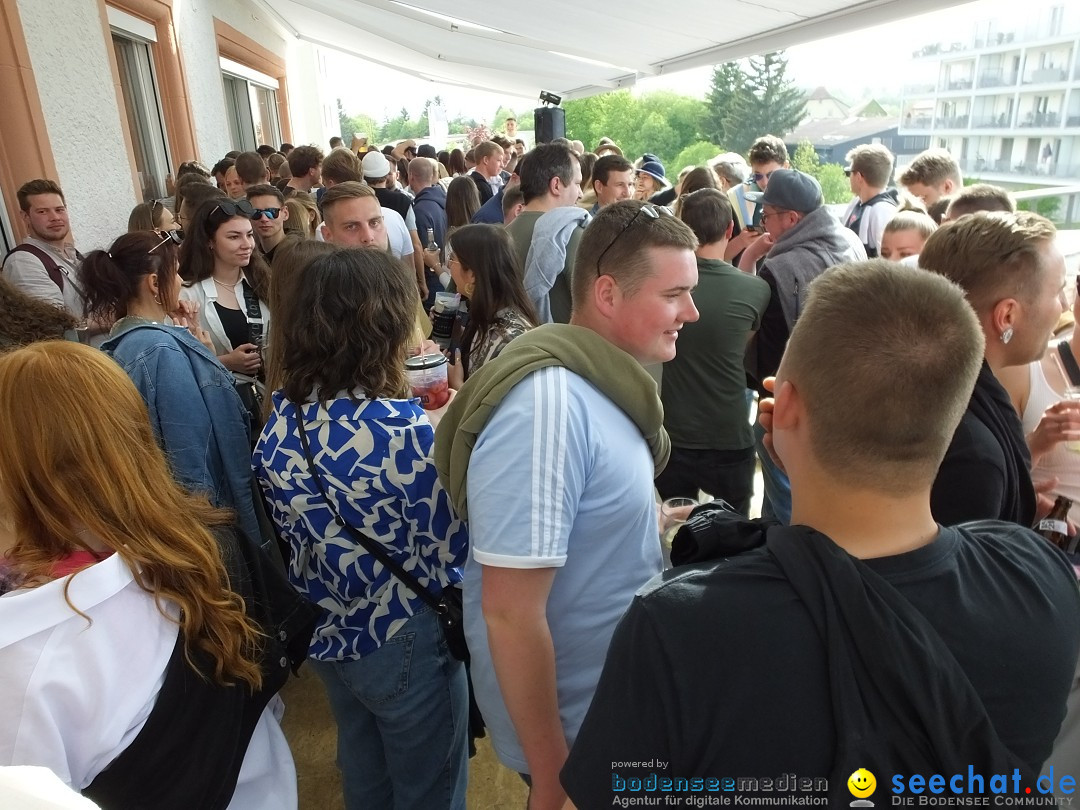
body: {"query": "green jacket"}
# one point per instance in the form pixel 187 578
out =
pixel 616 374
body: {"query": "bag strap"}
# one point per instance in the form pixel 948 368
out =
pixel 1069 362
pixel 47 261
pixel 371 546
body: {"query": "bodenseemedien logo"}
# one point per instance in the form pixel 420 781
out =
pixel 862 785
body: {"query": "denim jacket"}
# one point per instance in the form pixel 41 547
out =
pixel 196 414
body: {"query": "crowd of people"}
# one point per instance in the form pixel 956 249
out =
pixel 218 468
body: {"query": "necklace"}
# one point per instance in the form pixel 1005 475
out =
pixel 225 286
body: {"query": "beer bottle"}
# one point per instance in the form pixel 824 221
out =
pixel 1055 527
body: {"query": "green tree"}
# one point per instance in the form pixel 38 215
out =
pixel 806 158
pixel 696 154
pixel 663 123
pixel 769 103
pixel 835 187
pixel 728 81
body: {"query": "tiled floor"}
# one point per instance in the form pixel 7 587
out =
pixel 310 729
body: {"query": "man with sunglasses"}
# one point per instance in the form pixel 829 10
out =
pixel 269 219
pixel 550 450
pixel 767 154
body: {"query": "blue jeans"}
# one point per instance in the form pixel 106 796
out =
pixel 402 714
pixel 777 501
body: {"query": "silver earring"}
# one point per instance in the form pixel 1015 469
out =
pixel 1006 336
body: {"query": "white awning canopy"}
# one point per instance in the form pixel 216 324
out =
pixel 573 49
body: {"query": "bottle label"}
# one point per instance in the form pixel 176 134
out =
pixel 1056 526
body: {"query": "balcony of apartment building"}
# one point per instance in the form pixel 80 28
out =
pixel 952 121
pixel 950 85
pixel 1000 120
pixel 1019 171
pixel 1046 75
pixel 1040 119
pixel 1001 77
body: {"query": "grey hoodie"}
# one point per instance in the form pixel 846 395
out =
pixel 806 251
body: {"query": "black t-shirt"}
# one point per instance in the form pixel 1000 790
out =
pixel 235 324
pixel 717 669
pixel 985 472
pixel 394 200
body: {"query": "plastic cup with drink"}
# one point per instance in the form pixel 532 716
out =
pixel 428 381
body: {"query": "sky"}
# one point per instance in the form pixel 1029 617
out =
pixel 872 62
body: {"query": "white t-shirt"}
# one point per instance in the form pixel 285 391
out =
pixel 398 233
pixel 560 478
pixel 75 694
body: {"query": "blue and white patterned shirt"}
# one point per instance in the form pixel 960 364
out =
pixel 374 458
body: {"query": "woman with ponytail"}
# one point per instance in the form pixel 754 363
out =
pixel 142 642
pixel 195 411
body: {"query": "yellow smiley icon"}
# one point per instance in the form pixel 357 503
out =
pixel 861 783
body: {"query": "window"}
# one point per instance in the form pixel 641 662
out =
pixel 7 237
pixel 132 40
pixel 252 106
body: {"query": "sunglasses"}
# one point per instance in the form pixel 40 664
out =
pixel 235 208
pixel 176 237
pixel 759 176
pixel 847 172
pixel 269 213
pixel 650 211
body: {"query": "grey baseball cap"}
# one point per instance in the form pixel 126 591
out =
pixel 790 190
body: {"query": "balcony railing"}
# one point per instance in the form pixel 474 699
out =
pixel 918 122
pixel 1046 76
pixel 1041 120
pixel 1000 121
pixel 954 122
pixel 997 78
pixel 1073 121
pixel 1004 166
pixel 958 84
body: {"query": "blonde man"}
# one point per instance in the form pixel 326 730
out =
pixel 932 175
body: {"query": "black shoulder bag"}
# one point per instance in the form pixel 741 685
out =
pixel 447 604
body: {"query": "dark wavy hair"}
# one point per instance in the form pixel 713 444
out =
pixel 350 328
pixel 488 251
pixel 290 265
pixel 462 201
pixel 197 260
pixel 111 279
pixel 24 319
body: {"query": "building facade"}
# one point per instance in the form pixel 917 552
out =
pixel 108 97
pixel 1006 101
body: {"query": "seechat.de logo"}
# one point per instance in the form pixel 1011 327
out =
pixel 862 785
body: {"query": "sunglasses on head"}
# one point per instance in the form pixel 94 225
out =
pixel 650 211
pixel 235 208
pixel 176 237
pixel 269 213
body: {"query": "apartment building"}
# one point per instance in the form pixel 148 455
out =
pixel 1005 100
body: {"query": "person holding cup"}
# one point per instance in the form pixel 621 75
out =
pixel 399 699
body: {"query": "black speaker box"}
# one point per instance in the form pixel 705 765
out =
pixel 549 123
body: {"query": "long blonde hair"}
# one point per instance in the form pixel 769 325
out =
pixel 85 455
